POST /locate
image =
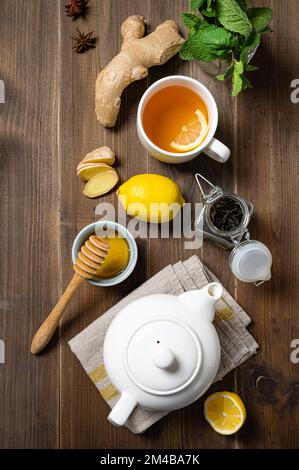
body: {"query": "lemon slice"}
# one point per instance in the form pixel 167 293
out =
pixel 225 412
pixel 191 134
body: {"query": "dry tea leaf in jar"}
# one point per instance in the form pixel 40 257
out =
pixel 226 214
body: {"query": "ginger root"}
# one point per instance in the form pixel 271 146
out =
pixel 137 54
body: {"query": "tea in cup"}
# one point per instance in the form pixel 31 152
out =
pixel 177 119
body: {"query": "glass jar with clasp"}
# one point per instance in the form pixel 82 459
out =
pixel 224 220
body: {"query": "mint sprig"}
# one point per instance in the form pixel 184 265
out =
pixel 225 29
pixel 210 42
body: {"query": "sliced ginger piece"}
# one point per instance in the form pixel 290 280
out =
pixel 101 183
pixel 102 154
pixel 88 170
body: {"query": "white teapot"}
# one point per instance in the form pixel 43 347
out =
pixel 162 352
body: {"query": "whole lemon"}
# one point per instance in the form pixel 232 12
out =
pixel 150 197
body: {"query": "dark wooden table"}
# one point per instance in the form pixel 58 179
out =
pixel 47 125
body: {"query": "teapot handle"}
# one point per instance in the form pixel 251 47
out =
pixel 122 409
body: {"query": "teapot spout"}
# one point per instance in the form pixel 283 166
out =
pixel 213 292
pixel 122 409
pixel 204 300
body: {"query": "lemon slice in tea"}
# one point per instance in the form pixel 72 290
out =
pixel 192 134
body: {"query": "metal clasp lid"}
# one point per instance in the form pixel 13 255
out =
pixel 214 193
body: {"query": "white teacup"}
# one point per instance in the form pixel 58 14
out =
pixel 211 146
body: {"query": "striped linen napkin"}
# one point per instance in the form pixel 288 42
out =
pixel 237 344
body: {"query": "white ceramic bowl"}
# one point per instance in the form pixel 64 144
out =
pixel 113 227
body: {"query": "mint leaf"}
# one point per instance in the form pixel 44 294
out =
pixel 260 18
pixel 242 4
pixel 250 68
pixel 233 18
pixel 229 71
pixel 191 21
pixel 210 42
pixel 209 13
pixel 252 41
pixel 196 4
pixel 223 76
pixel 239 67
pixel 246 83
pixel 237 82
pixel 185 52
pixel 267 30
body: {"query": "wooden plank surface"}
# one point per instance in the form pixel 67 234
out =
pixel 29 208
pixel 267 173
pixel 46 125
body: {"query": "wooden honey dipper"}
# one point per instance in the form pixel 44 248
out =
pixel 90 258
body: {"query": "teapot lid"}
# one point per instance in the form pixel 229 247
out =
pixel 163 356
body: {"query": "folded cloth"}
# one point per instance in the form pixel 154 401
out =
pixel 237 344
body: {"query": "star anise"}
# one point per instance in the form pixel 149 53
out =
pixel 75 8
pixel 83 41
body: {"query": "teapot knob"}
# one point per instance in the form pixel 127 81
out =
pixel 163 357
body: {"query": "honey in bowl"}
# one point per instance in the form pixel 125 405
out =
pixel 116 259
pixel 176 119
